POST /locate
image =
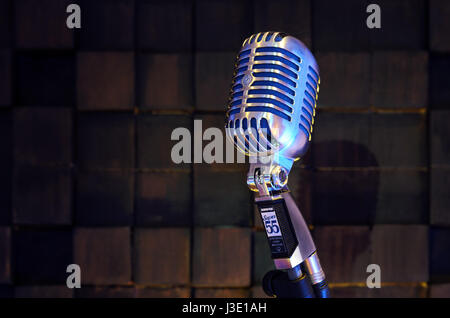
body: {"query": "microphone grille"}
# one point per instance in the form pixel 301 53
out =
pixel 272 87
pixel 268 71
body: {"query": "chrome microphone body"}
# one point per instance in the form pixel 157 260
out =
pixel 270 118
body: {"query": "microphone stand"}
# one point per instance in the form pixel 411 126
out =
pixel 299 273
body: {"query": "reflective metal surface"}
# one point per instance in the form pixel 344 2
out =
pixel 306 246
pixel 314 269
pixel 270 115
pixel 273 97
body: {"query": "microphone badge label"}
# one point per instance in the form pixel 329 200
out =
pixel 273 230
pixel 271 224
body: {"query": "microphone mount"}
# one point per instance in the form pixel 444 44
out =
pixel 268 178
pixel 293 249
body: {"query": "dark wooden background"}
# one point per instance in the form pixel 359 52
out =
pixel 85 169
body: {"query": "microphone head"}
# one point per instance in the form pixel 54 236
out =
pixel 273 96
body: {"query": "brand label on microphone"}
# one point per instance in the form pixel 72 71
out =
pixel 280 235
pixel 271 224
pixel 273 230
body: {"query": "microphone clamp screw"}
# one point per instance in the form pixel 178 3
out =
pixel 279 177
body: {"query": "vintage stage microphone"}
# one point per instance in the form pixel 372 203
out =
pixel 270 118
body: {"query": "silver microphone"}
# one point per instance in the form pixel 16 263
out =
pixel 270 118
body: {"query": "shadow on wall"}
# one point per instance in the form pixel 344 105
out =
pixel 342 192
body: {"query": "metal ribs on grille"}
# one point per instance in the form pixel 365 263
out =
pixel 275 74
pixel 246 135
pixel 309 102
